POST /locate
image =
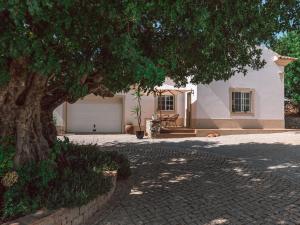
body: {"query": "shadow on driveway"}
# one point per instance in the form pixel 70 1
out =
pixel 199 182
pixel 282 159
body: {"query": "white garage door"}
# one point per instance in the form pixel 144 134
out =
pixel 94 114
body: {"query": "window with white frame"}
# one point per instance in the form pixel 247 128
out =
pixel 242 101
pixel 166 103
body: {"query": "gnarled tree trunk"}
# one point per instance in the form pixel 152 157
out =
pixel 27 103
pixel 22 115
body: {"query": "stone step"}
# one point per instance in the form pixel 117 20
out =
pixel 176 135
pixel 178 130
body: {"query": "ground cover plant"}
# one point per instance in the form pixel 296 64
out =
pixel 72 176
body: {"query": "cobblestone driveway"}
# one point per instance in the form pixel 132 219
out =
pixel 176 184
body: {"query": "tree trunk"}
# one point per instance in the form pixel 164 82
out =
pixel 49 128
pixel 27 103
pixel 22 116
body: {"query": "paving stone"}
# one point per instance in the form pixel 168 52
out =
pixel 239 180
pixel 172 186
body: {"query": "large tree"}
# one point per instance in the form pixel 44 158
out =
pixel 60 50
pixel 289 44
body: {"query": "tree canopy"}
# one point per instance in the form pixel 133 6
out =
pixel 54 51
pixel 289 44
pixel 126 42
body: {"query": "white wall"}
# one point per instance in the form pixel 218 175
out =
pixel 147 108
pixel 194 102
pixel 268 83
pixel 213 101
pixel 181 99
pixel 58 115
pixel 149 105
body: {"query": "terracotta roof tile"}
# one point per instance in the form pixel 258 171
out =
pixel 283 60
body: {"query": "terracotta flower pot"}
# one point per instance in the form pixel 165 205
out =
pixel 129 128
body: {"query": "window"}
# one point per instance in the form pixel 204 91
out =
pixel 241 101
pixel 166 103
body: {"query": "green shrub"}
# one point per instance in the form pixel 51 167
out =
pixel 124 170
pixel 92 156
pixel 81 178
pixel 77 188
pixel 123 164
pixel 20 199
pixel 29 192
pixel 72 176
pixel 7 153
pixel 107 160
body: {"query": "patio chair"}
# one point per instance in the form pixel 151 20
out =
pixel 163 119
pixel 172 120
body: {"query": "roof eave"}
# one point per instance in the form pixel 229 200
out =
pixel 284 60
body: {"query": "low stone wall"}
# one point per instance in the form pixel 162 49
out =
pixel 292 122
pixel 74 216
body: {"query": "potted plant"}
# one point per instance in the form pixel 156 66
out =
pixel 137 110
pixel 129 128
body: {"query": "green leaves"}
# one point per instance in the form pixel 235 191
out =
pixel 47 172
pixel 4 77
pixel 289 45
pixel 137 110
pixel 7 153
pixel 139 42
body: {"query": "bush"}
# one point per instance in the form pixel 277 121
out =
pixel 107 160
pixel 76 188
pixel 72 176
pixel 22 198
pixel 7 153
pixel 123 165
pixel 31 189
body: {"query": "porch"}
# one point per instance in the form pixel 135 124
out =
pixel 172 107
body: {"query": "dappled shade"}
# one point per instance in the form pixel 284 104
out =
pixel 187 182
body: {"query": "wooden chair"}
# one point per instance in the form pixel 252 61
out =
pixel 172 120
pixel 164 120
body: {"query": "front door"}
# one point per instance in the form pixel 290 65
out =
pixel 188 109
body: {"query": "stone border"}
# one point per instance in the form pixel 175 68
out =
pixel 69 216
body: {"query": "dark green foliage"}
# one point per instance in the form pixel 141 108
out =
pixel 2 190
pixel 87 156
pixel 26 195
pixel 7 153
pixel 131 42
pixel 289 45
pixel 71 177
pixel 76 188
pixel 31 189
pixel 123 166
pixel 107 160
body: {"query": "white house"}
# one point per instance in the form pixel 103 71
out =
pixel 252 101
